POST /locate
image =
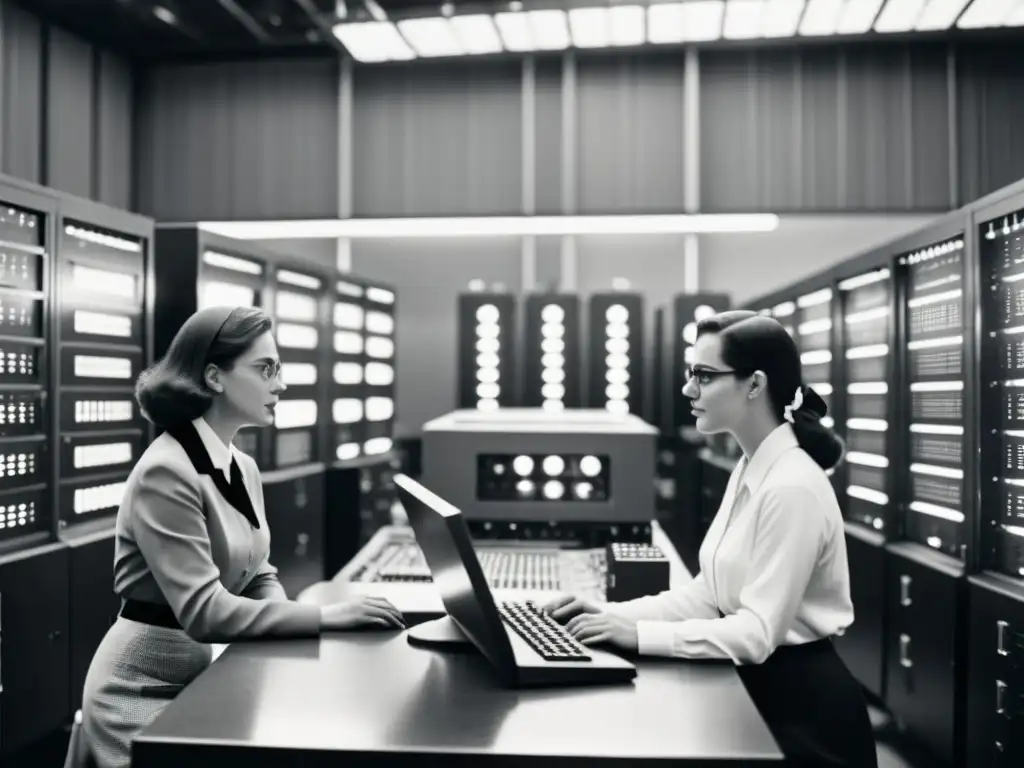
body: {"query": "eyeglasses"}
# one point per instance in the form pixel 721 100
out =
pixel 706 376
pixel 268 371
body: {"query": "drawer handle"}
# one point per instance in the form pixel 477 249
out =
pixel 1000 697
pixel 1001 627
pixel 905 660
pixel 905 590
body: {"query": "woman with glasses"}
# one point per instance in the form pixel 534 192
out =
pixel 191 550
pixel 774 585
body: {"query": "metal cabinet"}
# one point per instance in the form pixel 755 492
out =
pixel 924 640
pixel 94 605
pixel 995 673
pixel 295 510
pixel 862 647
pixel 34 651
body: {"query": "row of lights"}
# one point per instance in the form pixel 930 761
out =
pixel 617 373
pixel 519 31
pixel 488 358
pixel 553 357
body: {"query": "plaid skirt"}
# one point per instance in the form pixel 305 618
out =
pixel 137 670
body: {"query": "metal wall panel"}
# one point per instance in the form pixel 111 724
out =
pixel 548 137
pixel 201 126
pixel 630 133
pixel 69 114
pixel 436 139
pixel 115 140
pixel 990 111
pixel 858 129
pixel 21 41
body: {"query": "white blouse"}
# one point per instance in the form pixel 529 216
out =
pixel 773 562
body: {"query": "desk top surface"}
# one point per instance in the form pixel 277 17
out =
pixel 374 693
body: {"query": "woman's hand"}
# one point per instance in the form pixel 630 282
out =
pixel 593 628
pixel 565 607
pixel 375 612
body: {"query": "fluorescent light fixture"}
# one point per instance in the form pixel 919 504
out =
pixel 373 41
pixel 590 27
pixel 477 33
pixel 986 13
pixel 702 19
pixel 940 14
pixel 1016 17
pixel 899 15
pixel 858 15
pixel 514 29
pixel 627 24
pixel 821 18
pixel 743 19
pixel 781 18
pixel 665 22
pixel 496 226
pixel 431 37
pixel 550 30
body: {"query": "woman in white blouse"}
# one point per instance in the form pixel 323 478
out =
pixel 773 588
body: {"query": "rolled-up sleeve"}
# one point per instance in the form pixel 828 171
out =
pixel 170 530
pixel 788 542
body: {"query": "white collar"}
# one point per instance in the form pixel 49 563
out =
pixel 778 441
pixel 220 454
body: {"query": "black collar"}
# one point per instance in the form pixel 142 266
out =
pixel 235 492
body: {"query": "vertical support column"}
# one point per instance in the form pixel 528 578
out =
pixel 569 154
pixel 691 167
pixel 952 128
pixel 343 250
pixel 529 172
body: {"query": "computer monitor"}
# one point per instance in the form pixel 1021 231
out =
pixel 458 576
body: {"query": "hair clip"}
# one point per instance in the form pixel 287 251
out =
pixel 798 400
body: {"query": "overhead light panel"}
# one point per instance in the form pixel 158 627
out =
pixel 899 15
pixel 743 19
pixel 477 33
pixel 702 20
pixel 590 27
pixel 496 226
pixel 940 15
pixel 550 30
pixel 374 41
pixel 665 23
pixel 1016 17
pixel 514 30
pixel 858 16
pixel 821 18
pixel 627 24
pixel 431 37
pixel 781 18
pixel 987 13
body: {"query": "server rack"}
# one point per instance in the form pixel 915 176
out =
pixel 552 351
pixel 995 691
pixel 103 280
pixel 379 374
pixel 486 361
pixel 928 546
pixel 615 342
pixel 195 269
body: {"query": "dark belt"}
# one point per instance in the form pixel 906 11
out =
pixel 155 614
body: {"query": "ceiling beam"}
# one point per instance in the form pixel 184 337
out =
pixel 246 20
pixel 325 29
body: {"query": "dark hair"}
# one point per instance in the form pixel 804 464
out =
pixel 752 342
pixel 173 391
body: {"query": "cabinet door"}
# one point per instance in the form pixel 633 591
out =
pixel 924 607
pixel 94 607
pixel 995 679
pixel 862 647
pixel 295 511
pixel 34 652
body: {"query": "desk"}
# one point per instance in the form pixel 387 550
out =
pixel 372 699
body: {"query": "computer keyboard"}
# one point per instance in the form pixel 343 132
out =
pixel 547 637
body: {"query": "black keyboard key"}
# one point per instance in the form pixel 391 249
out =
pixel 548 638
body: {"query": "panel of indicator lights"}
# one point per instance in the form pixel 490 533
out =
pixel 379 370
pixel 552 370
pixel 296 314
pixel 935 349
pixel 489 338
pixel 543 477
pixel 347 370
pixel 1002 477
pixel 103 292
pixel 23 459
pixel 617 360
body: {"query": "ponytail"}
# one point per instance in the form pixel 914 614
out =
pixel 818 441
